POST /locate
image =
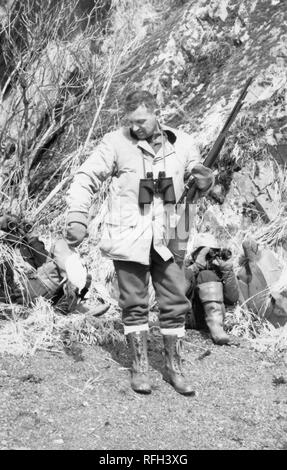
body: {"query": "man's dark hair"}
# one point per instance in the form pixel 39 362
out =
pixel 137 98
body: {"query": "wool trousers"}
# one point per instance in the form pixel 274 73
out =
pixel 169 285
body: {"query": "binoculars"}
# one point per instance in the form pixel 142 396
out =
pixel 222 253
pixel 162 185
pixel 13 226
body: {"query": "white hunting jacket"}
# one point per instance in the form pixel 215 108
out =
pixel 129 230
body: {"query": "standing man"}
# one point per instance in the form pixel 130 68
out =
pixel 147 163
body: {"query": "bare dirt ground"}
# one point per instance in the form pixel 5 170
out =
pixel 81 399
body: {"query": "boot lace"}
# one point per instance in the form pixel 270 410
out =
pixel 141 364
pixel 173 354
pixel 178 357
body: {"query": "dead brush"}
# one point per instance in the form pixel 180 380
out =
pixel 91 330
pixel 13 272
pixel 244 323
pixel 44 327
pixel 274 233
pixel 231 232
pixel 46 330
pixel 6 270
pixel 271 339
pixel 259 332
pixel 22 337
pixel 41 326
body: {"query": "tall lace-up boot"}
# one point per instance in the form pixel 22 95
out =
pixel 173 373
pixel 140 381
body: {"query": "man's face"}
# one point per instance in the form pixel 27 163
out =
pixel 142 121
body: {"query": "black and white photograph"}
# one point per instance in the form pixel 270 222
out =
pixel 143 228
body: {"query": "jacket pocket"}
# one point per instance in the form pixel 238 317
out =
pixel 122 219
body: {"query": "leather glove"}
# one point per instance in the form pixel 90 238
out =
pixel 230 285
pixel 224 266
pixel 75 233
pixel 203 177
pixel 76 229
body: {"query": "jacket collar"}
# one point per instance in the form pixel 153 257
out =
pixel 170 133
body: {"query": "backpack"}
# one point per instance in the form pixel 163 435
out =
pixel 259 273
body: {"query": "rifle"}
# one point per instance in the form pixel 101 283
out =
pixel 190 188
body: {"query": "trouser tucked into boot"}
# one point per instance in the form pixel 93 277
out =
pixel 173 373
pixel 211 297
pixel 169 285
pixel 140 381
pixel 168 282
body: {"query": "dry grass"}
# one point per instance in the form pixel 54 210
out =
pixel 231 229
pixel 25 330
pixel 259 332
pixel 271 339
pixel 45 329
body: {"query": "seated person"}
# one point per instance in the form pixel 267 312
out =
pixel 53 275
pixel 211 284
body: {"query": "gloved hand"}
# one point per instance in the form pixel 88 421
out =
pixel 203 177
pixel 75 233
pixel 201 257
pixel 76 229
pixel 228 278
pixel 224 266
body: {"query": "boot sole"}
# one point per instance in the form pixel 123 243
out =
pixel 190 393
pixel 226 343
pixel 142 392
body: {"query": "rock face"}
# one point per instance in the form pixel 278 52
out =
pixel 196 63
pixel 195 58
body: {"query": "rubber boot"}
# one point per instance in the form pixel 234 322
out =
pixel 211 297
pixel 140 381
pixel 173 373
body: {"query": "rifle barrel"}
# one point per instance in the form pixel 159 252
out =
pixel 218 144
